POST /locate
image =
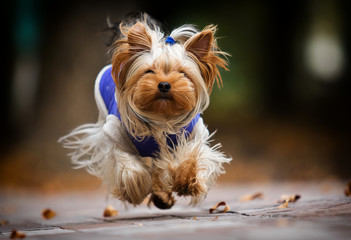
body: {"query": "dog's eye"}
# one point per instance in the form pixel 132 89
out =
pixel 149 71
pixel 182 72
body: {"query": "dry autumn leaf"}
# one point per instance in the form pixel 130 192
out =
pixel 284 205
pixel 348 190
pixel 226 207
pixel 17 235
pixel 110 211
pixel 48 213
pixel 3 222
pixel 251 197
pixel 289 198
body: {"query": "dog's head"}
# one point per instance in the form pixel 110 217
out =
pixel 162 83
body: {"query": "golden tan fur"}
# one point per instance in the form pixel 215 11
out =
pixel 186 181
pixel 138 92
pixel 207 56
pixel 141 61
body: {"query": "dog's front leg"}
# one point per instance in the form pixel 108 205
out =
pixel 196 164
pixel 198 168
pixel 190 176
pixel 161 189
pixel 179 171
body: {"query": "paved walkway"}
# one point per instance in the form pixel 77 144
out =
pixel 322 212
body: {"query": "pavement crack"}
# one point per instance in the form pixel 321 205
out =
pixel 180 217
pixel 239 213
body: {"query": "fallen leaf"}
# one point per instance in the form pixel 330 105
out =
pixel 226 207
pixel 251 197
pixel 17 235
pixel 348 189
pixel 48 213
pixel 289 198
pixel 3 222
pixel 110 211
pixel 215 218
pixel 194 218
pixel 284 205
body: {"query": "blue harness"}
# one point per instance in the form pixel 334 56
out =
pixel 147 147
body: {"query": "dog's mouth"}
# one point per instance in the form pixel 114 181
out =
pixel 165 104
pixel 163 96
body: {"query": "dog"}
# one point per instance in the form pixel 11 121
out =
pixel 150 138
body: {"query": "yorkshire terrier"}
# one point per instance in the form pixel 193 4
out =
pixel 150 137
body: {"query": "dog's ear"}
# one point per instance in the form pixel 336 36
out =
pixel 203 49
pixel 200 44
pixel 138 38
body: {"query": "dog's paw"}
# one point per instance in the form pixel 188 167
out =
pixel 161 190
pixel 162 200
pixel 186 181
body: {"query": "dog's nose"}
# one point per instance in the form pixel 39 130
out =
pixel 164 87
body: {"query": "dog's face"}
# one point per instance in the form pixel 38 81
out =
pixel 164 84
pixel 164 90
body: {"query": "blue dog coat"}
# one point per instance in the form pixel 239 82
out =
pixel 147 147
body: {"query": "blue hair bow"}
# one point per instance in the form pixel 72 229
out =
pixel 170 41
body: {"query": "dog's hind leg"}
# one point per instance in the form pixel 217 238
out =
pixel 132 179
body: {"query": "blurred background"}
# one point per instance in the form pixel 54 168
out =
pixel 283 113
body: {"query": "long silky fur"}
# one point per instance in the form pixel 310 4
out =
pixel 140 44
pixel 123 172
pixel 88 143
pixel 104 148
pixel 209 160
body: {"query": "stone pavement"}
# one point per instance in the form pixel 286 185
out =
pixel 322 212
